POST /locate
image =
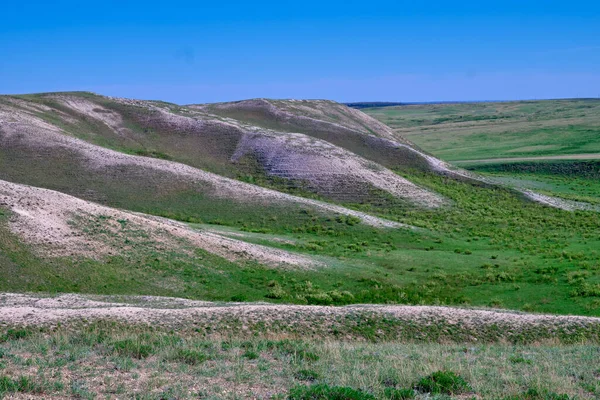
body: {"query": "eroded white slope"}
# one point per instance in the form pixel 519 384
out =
pixel 62 225
pixel 31 130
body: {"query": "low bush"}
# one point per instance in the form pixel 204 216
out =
pixel 15 334
pixel 296 350
pixel 519 360
pixel 586 290
pixel 534 394
pixel 276 292
pixel 251 355
pixel 443 382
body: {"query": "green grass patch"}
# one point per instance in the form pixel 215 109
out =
pixel 132 348
pixel 326 392
pixel 444 382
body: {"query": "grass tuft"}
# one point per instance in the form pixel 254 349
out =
pixel 132 348
pixel 186 356
pixel 443 382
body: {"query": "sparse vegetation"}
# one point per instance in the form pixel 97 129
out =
pixel 68 362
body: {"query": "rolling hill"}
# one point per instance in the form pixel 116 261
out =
pixel 308 202
pixel 288 249
pixel 550 146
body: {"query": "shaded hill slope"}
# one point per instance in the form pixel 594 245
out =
pixel 38 153
pixel 335 123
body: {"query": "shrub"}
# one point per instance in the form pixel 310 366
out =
pixel 340 296
pixel 319 298
pixel 495 303
pixel 276 292
pixel 326 392
pixel 586 290
pixel 577 277
pixel 534 394
pixel 389 380
pixel 296 349
pixel 348 220
pixel 519 360
pixel 15 334
pixel 307 355
pixel 446 382
pixel 550 270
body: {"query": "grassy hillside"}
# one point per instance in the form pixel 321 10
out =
pixel 573 180
pixel 549 146
pixel 491 248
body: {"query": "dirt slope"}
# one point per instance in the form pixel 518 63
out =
pixel 430 321
pixel 145 156
pixel 61 225
pixel 304 116
pixel 335 123
pixel 328 169
pixel 36 152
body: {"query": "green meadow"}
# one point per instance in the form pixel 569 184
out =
pixel 478 131
pixel 488 247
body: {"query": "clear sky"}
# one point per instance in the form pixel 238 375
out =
pixel 193 52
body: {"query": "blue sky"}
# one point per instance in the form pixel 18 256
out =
pixel 193 52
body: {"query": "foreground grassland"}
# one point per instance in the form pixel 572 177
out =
pixel 103 361
pixel 477 131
